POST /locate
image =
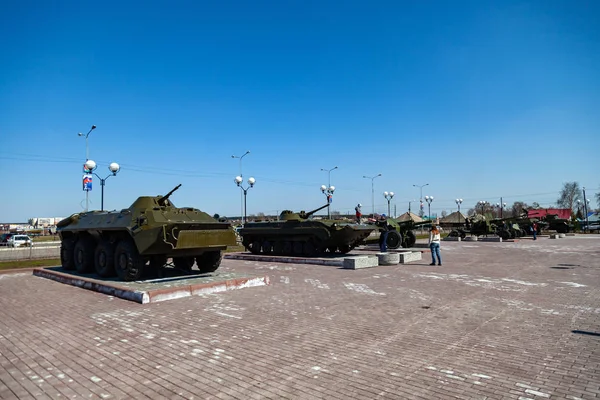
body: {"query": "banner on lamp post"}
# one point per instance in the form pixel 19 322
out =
pixel 87 183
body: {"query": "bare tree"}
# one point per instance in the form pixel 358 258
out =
pixel 570 193
pixel 444 213
pixel 518 208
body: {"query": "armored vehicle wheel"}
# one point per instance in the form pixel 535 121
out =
pixel 309 249
pixel 104 259
pixel 128 262
pixel 209 261
pixel 287 248
pixel 67 259
pixel 267 247
pixel 394 240
pixel 345 248
pixel 409 239
pixel 278 247
pixel 183 263
pixel 84 255
pixel 298 248
pixel 255 247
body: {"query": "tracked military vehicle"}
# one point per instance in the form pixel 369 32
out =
pixel 143 236
pixel 297 234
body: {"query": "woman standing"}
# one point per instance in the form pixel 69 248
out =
pixel 434 245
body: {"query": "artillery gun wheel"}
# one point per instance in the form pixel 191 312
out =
pixel 345 248
pixel 255 247
pixel 278 247
pixel 394 240
pixel 298 248
pixel 183 263
pixel 104 259
pixel 267 247
pixel 209 261
pixel 128 261
pixel 409 239
pixel 67 258
pixel 453 234
pixel 463 234
pixel 84 255
pixel 287 248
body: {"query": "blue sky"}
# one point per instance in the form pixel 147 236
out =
pixel 481 100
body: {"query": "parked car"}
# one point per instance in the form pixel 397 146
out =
pixel 19 241
pixel 593 226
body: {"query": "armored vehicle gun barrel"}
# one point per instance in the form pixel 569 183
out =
pixel 288 215
pixel 162 201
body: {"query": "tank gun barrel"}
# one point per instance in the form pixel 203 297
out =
pixel 308 214
pixel 163 200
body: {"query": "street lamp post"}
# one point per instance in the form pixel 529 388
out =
pixel 372 178
pixel 329 189
pixel 482 204
pixel 238 181
pixel 458 203
pixel 388 196
pixel 87 157
pixel 241 176
pixel 328 192
pixel 113 168
pixel 421 198
pixel 429 199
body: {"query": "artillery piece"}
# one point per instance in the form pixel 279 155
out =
pixel 400 233
pixel 150 231
pixel 298 234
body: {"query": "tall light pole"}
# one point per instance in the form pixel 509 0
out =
pixel 429 199
pixel 372 178
pixel 238 181
pixel 482 203
pixel 87 157
pixel 458 203
pixel 329 189
pixel 328 192
pixel 242 176
pixel 388 196
pixel 586 202
pixel 421 198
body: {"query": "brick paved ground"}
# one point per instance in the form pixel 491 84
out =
pixel 498 320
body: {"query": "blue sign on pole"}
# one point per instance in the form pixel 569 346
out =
pixel 87 183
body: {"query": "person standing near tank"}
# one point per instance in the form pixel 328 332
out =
pixel 434 245
pixel 384 233
pixel 358 213
pixel 535 228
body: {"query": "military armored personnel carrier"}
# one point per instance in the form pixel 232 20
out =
pixel 150 231
pixel 297 234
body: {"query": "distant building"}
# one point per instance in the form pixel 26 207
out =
pixel 564 213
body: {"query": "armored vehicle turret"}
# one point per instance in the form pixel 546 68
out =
pixel 295 233
pixel 150 231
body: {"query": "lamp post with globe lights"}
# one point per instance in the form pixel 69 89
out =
pixel 328 192
pixel 372 178
pixel 482 203
pixel 388 196
pixel 238 181
pixel 429 200
pixel 91 166
pixel 242 176
pixel 458 203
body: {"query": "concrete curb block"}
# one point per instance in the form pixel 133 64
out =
pixel 359 262
pixel 152 296
pixel 388 258
pixel 410 256
pixel 453 239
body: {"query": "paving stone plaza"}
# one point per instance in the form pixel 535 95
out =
pixel 499 320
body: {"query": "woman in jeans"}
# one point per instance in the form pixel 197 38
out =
pixel 434 245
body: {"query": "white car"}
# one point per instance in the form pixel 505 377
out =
pixel 19 240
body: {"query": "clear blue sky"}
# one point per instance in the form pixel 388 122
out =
pixel 478 99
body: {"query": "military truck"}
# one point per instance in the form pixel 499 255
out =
pixel 141 237
pixel 298 234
